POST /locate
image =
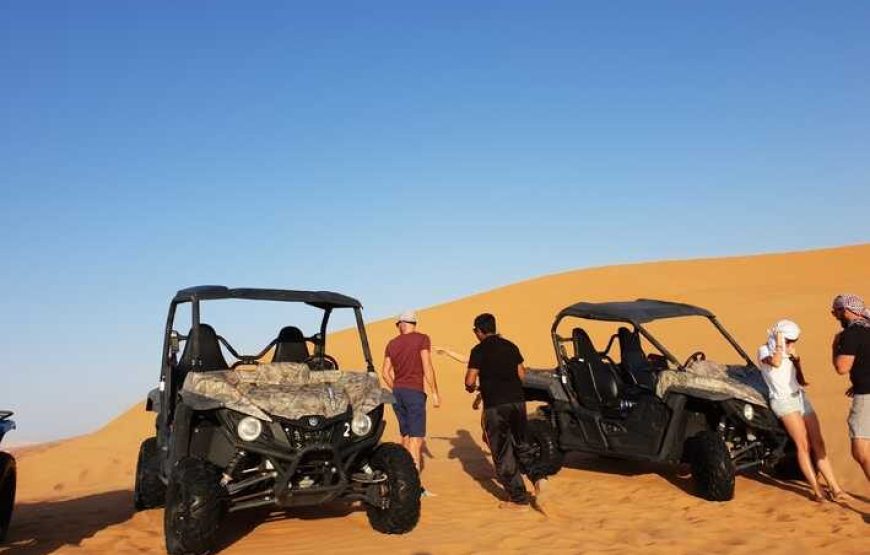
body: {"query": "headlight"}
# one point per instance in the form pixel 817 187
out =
pixel 361 424
pixel 249 428
pixel 748 412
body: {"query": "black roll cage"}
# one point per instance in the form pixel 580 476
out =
pixel 623 313
pixel 327 301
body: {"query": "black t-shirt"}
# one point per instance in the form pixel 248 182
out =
pixel 855 341
pixel 496 359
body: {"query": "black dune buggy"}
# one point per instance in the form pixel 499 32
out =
pixel 622 402
pixel 8 477
pixel 281 428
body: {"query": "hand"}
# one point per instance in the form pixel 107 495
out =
pixel 477 401
pixel 436 400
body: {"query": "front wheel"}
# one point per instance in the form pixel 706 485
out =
pixel 8 479
pixel 400 493
pixel 712 467
pixel 149 491
pixel 542 436
pixel 195 505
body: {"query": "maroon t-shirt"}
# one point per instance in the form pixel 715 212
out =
pixel 404 353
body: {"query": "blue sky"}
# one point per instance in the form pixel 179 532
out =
pixel 406 153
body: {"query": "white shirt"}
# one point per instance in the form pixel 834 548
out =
pixel 782 379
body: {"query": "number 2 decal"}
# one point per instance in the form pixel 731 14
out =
pixel 346 429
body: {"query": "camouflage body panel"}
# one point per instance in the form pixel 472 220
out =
pixel 288 390
pixel 738 382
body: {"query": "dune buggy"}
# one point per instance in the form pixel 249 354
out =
pixel 283 427
pixel 653 407
pixel 8 477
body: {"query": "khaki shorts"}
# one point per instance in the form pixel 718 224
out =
pixel 859 417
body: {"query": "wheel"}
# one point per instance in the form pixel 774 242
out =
pixel 8 478
pixel 542 436
pixel 402 490
pixel 149 491
pixel 787 468
pixel 712 468
pixel 195 505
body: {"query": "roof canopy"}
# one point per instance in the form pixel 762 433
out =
pixel 320 299
pixel 635 312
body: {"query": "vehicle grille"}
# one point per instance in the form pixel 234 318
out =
pixel 300 437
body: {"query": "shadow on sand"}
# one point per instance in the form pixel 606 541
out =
pixel 679 477
pixel 474 462
pixel 42 527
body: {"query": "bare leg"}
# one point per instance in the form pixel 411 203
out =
pixel 797 430
pixel 817 444
pixel 415 447
pixel 861 453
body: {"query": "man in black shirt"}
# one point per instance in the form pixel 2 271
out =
pixel 851 355
pixel 495 367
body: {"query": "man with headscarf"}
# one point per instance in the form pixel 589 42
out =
pixel 851 355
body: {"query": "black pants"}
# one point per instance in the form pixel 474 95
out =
pixel 505 427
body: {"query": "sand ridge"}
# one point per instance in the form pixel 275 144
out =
pixel 74 496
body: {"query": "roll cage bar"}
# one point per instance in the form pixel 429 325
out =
pixel 636 313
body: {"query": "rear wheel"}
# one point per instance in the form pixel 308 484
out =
pixel 8 479
pixel 149 491
pixel 542 436
pixel 400 492
pixel 195 505
pixel 712 468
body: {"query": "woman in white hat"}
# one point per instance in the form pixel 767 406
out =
pixel 781 369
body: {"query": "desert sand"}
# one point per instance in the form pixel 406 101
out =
pixel 75 495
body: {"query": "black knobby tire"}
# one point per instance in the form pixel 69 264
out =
pixel 8 479
pixel 712 467
pixel 195 505
pixel 542 436
pixel 402 490
pixel 788 468
pixel 149 491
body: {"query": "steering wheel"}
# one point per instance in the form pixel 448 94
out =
pixel 321 362
pixel 697 356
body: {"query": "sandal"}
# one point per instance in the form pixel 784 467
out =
pixel 839 496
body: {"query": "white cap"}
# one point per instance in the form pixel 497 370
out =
pixel 789 329
pixel 408 316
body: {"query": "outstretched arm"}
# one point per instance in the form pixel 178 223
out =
pixel 452 354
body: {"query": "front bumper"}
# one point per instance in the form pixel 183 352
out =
pixel 300 466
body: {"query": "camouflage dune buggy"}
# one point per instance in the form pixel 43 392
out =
pixel 624 402
pixel 293 431
pixel 8 477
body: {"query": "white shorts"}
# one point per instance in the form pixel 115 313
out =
pixel 859 417
pixel 798 401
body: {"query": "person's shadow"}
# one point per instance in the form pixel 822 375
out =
pixel 43 527
pixel 474 462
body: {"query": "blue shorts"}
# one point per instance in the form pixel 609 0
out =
pixel 410 407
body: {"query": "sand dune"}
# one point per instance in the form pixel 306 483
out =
pixel 74 496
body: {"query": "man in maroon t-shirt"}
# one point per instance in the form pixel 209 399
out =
pixel 407 370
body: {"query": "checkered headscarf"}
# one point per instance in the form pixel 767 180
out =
pixel 855 304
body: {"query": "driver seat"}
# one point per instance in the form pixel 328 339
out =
pixel 589 368
pixel 290 346
pixel 210 356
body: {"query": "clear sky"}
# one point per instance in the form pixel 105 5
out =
pixel 406 153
